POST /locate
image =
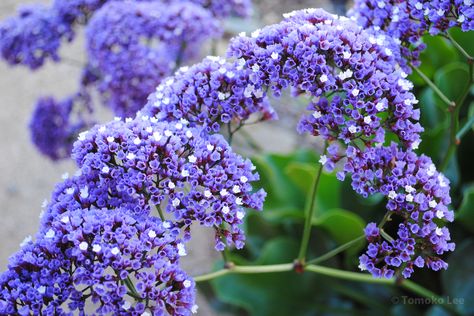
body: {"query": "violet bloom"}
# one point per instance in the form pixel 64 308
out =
pixel 408 21
pixel 356 88
pixel 418 196
pixel 191 175
pixel 210 94
pixel 33 36
pixel 89 258
pixel 55 124
pixel 134 45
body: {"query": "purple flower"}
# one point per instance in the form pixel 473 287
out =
pixel 33 36
pixel 54 125
pixel 210 94
pixel 89 257
pixel 182 170
pixel 357 92
pixel 134 45
pixel 408 21
pixel 418 195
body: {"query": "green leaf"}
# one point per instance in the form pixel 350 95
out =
pixel 329 190
pixel 343 226
pixel 458 279
pixel 437 53
pixel 465 39
pixel 465 213
pixel 452 79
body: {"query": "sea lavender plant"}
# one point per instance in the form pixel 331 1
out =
pixel 169 156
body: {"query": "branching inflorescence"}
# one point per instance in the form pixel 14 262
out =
pixel 170 157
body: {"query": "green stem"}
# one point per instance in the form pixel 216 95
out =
pixel 454 126
pixel 132 291
pixel 465 128
pixel 332 253
pixel 347 245
pixel 245 270
pixel 459 47
pixel 433 86
pixel 160 212
pixel 309 215
pixel 330 272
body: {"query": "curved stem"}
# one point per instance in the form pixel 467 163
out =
pixel 433 86
pixel 332 253
pixel 330 272
pixel 309 215
pixel 467 126
pixel 285 267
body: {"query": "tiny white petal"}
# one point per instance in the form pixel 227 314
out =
pixel 323 159
pixel 50 233
pixel 192 159
pixel 26 241
pixel 96 248
pixel 171 185
pixel 181 250
pixel 240 214
pixel 151 233
pixel 439 214
pixel 243 179
pixel 236 189
pixel 392 194
pixel 187 283
pixel 83 245
pixel 115 251
pixel 42 289
pixel 176 202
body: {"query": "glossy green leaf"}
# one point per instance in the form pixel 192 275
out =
pixel 458 279
pixel 465 213
pixel 465 39
pixel 452 79
pixel 329 189
pixel 343 226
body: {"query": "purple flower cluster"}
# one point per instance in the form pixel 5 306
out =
pixel 408 21
pixel 210 93
pixel 33 36
pixel 55 124
pixel 349 74
pixel 418 196
pixel 173 167
pixel 92 257
pixel 134 45
pixel 99 244
pixel 357 92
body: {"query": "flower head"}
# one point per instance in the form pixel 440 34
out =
pixel 91 260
